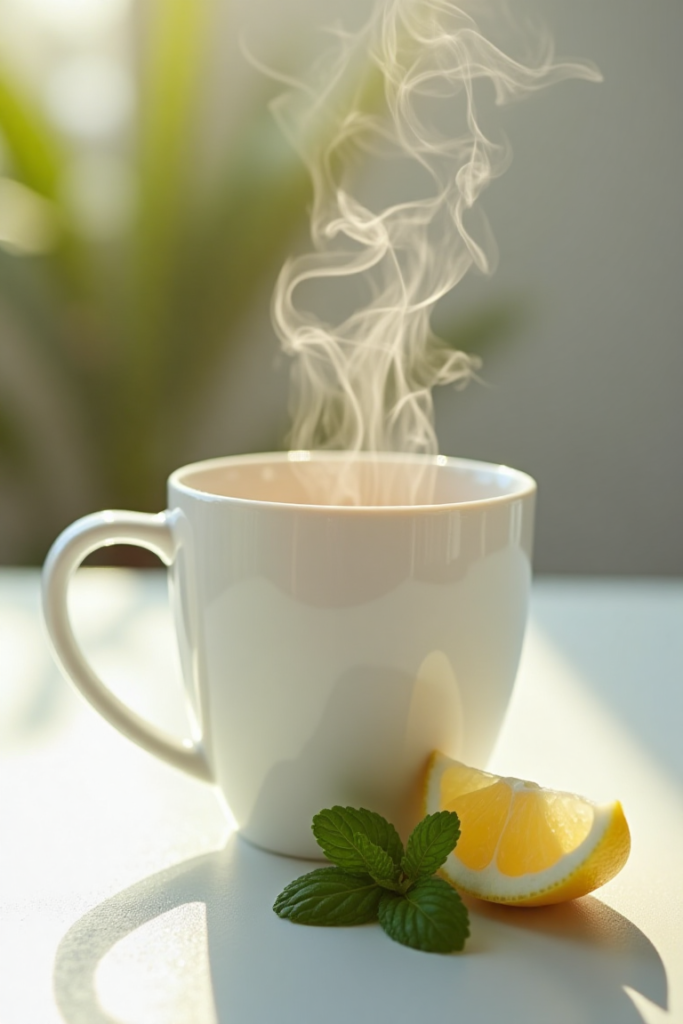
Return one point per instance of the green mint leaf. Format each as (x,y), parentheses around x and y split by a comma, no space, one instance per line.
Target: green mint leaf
(430,843)
(336,827)
(378,863)
(431,917)
(329,896)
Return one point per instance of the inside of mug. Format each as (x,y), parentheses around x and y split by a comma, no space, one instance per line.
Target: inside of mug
(335,480)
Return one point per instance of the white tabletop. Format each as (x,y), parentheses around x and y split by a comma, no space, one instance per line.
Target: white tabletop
(127,898)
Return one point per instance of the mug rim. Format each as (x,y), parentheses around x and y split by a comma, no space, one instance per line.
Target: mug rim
(526,485)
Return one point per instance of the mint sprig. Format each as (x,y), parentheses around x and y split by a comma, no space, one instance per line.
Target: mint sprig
(375,880)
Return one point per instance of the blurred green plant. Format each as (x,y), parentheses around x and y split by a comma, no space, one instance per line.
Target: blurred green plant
(132,330)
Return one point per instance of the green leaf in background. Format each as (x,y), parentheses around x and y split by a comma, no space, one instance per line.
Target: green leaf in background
(430,843)
(431,917)
(36,154)
(177,33)
(38,159)
(171,77)
(336,829)
(329,896)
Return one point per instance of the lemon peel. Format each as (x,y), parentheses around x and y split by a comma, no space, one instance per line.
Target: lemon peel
(522,844)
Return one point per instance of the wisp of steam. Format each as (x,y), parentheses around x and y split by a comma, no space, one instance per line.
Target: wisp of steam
(365,383)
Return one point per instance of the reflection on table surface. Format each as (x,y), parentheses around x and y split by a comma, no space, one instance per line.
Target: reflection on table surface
(126,897)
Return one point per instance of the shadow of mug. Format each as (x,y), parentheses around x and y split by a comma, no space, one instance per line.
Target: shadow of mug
(264,968)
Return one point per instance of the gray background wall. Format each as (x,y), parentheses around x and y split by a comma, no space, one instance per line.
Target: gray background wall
(589,219)
(585,392)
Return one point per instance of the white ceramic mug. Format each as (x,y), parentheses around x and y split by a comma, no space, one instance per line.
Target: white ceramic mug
(327,649)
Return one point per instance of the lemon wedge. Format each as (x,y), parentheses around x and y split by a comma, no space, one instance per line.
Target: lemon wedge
(523,844)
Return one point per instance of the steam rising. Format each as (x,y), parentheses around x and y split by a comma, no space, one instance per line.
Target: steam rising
(365,382)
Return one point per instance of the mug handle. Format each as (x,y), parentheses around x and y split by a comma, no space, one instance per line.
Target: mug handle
(101,529)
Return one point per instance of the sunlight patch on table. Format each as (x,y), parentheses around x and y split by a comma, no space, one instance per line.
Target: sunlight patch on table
(561,733)
(160,972)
